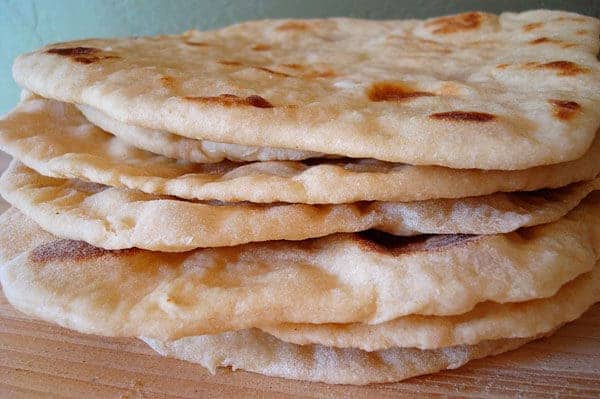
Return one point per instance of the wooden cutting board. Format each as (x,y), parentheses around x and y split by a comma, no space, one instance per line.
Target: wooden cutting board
(38,359)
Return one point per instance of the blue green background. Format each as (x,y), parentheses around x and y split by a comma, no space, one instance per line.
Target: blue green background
(28,24)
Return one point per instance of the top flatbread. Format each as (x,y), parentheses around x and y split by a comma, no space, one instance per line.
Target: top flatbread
(521,89)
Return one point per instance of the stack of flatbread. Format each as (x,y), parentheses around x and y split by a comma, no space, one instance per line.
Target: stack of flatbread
(338,200)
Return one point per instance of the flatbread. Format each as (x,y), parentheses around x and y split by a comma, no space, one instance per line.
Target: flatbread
(192,150)
(336,279)
(56,140)
(259,352)
(114,218)
(487,321)
(522,90)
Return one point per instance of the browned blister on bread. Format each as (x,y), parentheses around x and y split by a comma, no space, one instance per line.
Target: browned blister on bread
(398,91)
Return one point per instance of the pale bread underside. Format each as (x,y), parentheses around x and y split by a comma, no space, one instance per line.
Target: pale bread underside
(192,150)
(56,140)
(256,351)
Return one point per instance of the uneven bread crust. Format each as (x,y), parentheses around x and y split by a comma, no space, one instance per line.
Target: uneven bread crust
(341,278)
(57,141)
(487,321)
(192,150)
(114,218)
(521,89)
(256,351)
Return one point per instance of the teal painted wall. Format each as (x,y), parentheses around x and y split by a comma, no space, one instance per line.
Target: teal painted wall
(28,24)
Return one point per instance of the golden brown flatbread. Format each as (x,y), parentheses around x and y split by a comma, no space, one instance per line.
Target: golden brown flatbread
(472,90)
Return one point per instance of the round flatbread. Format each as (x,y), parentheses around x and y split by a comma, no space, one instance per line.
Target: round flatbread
(340,278)
(487,321)
(256,351)
(114,218)
(522,90)
(56,140)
